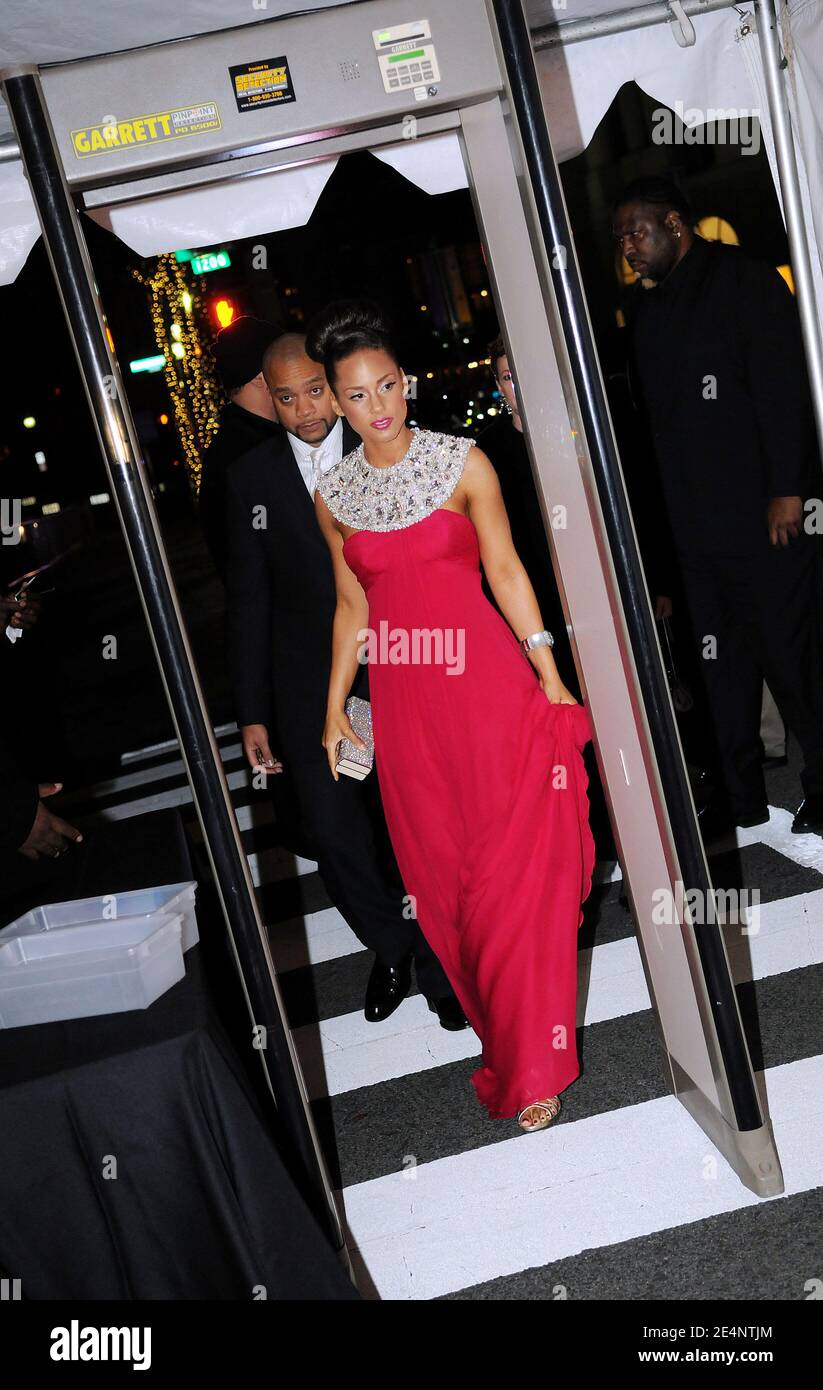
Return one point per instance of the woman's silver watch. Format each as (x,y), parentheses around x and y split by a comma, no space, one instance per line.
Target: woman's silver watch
(537,639)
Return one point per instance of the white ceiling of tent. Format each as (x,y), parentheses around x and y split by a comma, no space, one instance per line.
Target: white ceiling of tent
(57,31)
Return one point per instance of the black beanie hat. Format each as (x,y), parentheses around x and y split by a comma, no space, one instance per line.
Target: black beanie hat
(239,350)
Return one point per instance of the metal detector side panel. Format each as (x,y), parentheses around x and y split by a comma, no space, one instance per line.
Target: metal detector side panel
(276,82)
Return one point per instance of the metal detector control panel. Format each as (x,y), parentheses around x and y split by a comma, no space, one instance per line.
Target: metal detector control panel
(408,59)
(125,116)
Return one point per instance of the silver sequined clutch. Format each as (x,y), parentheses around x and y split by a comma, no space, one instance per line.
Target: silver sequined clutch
(354,761)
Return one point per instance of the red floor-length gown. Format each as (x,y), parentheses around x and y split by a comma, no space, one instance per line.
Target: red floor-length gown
(484,791)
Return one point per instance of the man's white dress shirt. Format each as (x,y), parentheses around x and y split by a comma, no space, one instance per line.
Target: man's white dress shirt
(314,460)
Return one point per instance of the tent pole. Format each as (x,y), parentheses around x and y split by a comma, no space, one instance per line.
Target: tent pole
(639,17)
(74,276)
(767,26)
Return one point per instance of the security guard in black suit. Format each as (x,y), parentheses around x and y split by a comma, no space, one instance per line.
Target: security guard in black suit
(718,362)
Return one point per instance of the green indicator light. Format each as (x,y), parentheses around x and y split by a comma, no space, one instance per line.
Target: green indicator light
(404,57)
(182,255)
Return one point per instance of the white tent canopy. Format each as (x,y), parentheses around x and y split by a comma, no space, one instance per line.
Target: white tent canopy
(719,72)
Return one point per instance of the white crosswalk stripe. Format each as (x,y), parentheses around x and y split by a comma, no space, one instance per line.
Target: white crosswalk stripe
(144,776)
(538,1198)
(805,850)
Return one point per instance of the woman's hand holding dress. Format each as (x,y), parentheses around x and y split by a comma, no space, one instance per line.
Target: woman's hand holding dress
(556,692)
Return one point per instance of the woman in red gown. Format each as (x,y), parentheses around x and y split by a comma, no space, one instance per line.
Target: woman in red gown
(478,750)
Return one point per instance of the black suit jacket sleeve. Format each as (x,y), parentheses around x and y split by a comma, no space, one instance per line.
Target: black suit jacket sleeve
(211,509)
(18,807)
(777,378)
(19,793)
(648,507)
(249,639)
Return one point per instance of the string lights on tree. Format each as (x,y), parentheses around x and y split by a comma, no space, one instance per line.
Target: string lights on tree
(182,334)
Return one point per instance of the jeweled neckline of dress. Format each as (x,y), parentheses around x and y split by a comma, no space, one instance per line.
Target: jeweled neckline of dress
(359,496)
(360,450)
(438,511)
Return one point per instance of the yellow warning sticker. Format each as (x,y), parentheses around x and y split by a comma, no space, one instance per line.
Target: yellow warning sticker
(146,130)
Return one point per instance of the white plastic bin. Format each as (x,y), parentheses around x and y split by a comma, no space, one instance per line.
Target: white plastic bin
(149,902)
(92,968)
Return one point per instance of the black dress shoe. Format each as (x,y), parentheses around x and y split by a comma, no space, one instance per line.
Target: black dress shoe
(809,816)
(747,819)
(717,820)
(451,1016)
(387,988)
(702,785)
(713,826)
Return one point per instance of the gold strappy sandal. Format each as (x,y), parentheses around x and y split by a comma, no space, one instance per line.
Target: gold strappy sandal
(550,1106)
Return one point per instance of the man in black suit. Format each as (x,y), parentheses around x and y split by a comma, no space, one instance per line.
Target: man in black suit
(282,601)
(27,827)
(717,355)
(247,419)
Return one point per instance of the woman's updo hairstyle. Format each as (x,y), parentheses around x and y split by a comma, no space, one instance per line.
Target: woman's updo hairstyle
(345,327)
